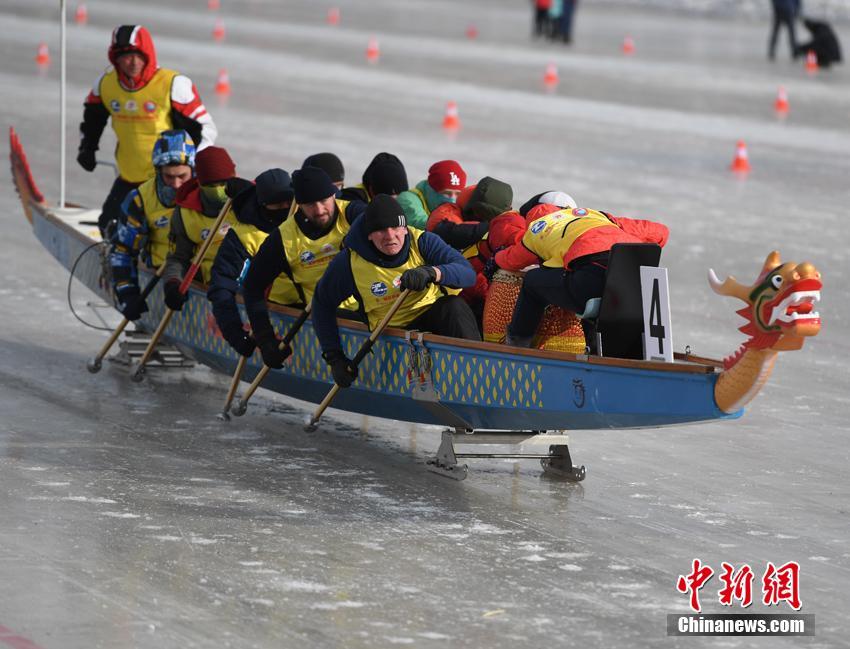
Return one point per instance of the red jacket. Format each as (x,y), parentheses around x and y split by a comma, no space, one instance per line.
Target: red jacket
(591,242)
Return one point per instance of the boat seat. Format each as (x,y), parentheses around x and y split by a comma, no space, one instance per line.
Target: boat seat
(591,309)
(614,322)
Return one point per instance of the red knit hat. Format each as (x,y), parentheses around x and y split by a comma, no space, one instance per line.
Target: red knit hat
(446,174)
(213,165)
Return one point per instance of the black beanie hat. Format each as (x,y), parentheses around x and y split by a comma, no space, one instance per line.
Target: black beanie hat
(383,212)
(329,162)
(385,175)
(312,184)
(273,186)
(388,178)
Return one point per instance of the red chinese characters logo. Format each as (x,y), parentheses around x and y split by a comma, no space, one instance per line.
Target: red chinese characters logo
(780,584)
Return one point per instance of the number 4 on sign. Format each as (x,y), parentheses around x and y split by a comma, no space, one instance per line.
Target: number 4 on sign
(657,328)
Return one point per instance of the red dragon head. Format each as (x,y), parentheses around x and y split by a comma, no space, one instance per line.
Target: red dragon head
(780,309)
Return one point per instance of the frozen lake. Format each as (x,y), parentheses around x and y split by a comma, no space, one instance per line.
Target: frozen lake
(132,517)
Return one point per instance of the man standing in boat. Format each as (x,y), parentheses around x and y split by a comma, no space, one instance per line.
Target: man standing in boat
(302,247)
(382,257)
(260,209)
(199,203)
(143,100)
(572,247)
(146,219)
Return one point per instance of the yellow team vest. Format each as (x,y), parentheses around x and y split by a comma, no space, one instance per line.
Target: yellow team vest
(197,227)
(138,117)
(283,290)
(551,236)
(158,218)
(472,251)
(379,287)
(421,196)
(308,258)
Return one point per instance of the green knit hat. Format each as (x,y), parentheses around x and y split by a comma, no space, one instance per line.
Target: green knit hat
(490,198)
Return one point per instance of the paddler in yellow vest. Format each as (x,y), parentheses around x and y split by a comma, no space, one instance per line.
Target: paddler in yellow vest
(146,218)
(260,209)
(143,100)
(383,257)
(384,175)
(572,246)
(302,247)
(198,205)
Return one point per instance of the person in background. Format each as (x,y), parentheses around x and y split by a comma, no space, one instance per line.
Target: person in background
(785,12)
(542,23)
(446,180)
(824,43)
(143,100)
(145,221)
(384,175)
(330,164)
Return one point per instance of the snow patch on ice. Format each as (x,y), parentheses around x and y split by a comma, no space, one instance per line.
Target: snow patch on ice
(530,547)
(300,586)
(433,635)
(197,540)
(335,606)
(398,640)
(818,558)
(786,536)
(484,528)
(619,567)
(533,558)
(53,484)
(251,563)
(166,537)
(35,468)
(120,515)
(261,602)
(570,567)
(86,499)
(756,533)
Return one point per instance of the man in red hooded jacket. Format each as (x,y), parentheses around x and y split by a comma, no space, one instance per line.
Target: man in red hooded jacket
(143,100)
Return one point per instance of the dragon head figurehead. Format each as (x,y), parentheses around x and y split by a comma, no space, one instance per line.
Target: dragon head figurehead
(780,305)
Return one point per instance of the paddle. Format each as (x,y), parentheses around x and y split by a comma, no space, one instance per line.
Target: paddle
(240,366)
(242,405)
(361,354)
(95,363)
(139,372)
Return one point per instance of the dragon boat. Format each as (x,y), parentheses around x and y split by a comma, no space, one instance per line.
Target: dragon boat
(485,393)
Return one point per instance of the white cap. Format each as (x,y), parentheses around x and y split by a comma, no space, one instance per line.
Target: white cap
(561,199)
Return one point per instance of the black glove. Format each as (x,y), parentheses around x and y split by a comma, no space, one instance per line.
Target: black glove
(417,279)
(343,370)
(174,299)
(131,304)
(244,344)
(490,268)
(273,355)
(85,156)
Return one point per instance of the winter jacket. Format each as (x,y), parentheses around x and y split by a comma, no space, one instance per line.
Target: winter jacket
(419,202)
(338,282)
(186,110)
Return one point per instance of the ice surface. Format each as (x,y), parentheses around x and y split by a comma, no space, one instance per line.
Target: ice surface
(132,518)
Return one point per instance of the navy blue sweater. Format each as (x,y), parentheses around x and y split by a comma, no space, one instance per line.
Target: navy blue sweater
(337,284)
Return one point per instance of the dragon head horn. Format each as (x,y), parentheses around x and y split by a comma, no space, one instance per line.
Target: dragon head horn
(730,287)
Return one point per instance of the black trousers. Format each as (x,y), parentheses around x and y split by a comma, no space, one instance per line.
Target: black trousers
(782,18)
(544,286)
(111,210)
(448,316)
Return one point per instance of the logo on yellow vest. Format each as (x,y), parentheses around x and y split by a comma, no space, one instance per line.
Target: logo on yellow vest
(378,289)
(131,105)
(537,226)
(115,105)
(579,211)
(150,107)
(162,221)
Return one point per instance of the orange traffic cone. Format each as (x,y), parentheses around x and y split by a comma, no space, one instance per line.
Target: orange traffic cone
(213,5)
(811,62)
(472,32)
(741,163)
(781,103)
(628,46)
(373,51)
(451,120)
(81,15)
(218,30)
(42,56)
(550,77)
(222,84)
(333,16)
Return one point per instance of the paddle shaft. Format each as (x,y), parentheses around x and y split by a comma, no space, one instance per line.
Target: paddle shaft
(234,383)
(361,354)
(302,318)
(123,324)
(184,285)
